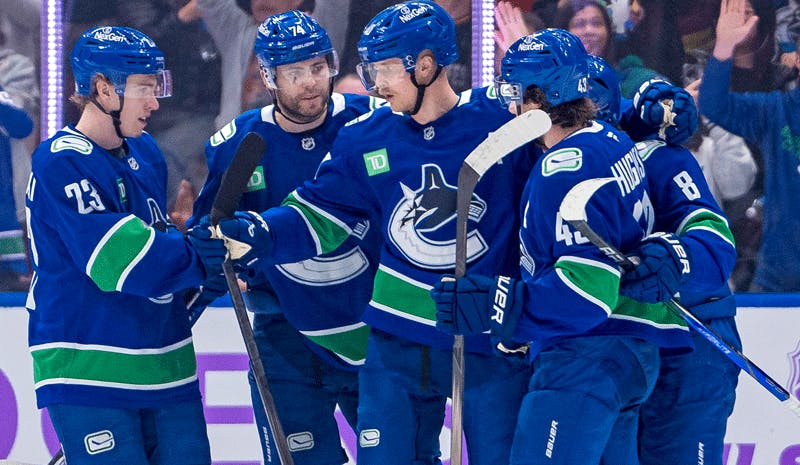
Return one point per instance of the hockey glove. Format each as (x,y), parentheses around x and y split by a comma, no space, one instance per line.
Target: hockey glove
(475,304)
(246,236)
(198,299)
(667,109)
(208,246)
(664,264)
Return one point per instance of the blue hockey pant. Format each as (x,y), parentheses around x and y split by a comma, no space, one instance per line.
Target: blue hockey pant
(169,435)
(306,390)
(399,373)
(583,402)
(684,420)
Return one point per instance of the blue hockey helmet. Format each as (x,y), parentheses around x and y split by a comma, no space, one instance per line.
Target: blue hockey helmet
(553,60)
(292,37)
(404,31)
(604,90)
(116,53)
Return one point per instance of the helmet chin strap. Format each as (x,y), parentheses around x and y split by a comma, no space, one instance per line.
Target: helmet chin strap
(421,88)
(113,114)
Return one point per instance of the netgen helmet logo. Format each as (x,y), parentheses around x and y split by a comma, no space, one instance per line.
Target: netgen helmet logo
(407,14)
(108,35)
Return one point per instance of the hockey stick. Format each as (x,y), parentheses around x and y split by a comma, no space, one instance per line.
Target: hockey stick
(233,183)
(507,138)
(57,459)
(573,211)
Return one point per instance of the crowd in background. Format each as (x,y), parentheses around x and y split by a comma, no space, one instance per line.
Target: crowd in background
(208,47)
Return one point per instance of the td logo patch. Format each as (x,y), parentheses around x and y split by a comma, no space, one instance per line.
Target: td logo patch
(98,442)
(257,181)
(369,438)
(377,162)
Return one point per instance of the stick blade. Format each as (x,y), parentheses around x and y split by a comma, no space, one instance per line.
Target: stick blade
(507,138)
(234,181)
(573,206)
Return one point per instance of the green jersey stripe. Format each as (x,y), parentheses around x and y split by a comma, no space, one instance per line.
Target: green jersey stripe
(708,220)
(120,249)
(657,315)
(150,369)
(403,296)
(328,232)
(350,344)
(595,281)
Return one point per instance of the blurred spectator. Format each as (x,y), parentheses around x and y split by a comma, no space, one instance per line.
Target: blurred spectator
(770,120)
(787,25)
(752,71)
(233,25)
(696,23)
(19,22)
(185,121)
(511,23)
(14,271)
(591,22)
(652,36)
(18,79)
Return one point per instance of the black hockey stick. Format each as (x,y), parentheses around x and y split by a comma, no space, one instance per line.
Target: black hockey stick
(573,211)
(57,459)
(507,138)
(233,183)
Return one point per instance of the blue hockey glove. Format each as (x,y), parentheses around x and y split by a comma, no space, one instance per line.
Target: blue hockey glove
(210,290)
(211,249)
(246,236)
(475,304)
(669,110)
(664,264)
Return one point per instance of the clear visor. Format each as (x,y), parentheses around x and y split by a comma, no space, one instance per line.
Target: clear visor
(509,92)
(381,72)
(319,68)
(158,85)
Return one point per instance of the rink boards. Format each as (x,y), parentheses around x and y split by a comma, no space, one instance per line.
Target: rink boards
(760,431)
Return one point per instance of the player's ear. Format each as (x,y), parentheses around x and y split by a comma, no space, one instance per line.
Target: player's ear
(426,64)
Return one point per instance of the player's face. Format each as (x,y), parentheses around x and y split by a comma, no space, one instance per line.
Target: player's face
(303,88)
(393,83)
(139,103)
(590,27)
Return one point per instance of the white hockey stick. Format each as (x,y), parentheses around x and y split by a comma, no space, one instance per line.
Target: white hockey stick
(507,138)
(573,211)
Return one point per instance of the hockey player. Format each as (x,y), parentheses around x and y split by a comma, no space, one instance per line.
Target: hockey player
(109,330)
(397,168)
(307,320)
(595,354)
(670,430)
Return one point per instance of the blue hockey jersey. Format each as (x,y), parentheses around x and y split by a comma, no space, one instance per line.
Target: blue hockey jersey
(401,176)
(684,205)
(107,327)
(572,287)
(325,296)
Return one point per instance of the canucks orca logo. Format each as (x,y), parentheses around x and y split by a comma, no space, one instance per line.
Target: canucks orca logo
(422,224)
